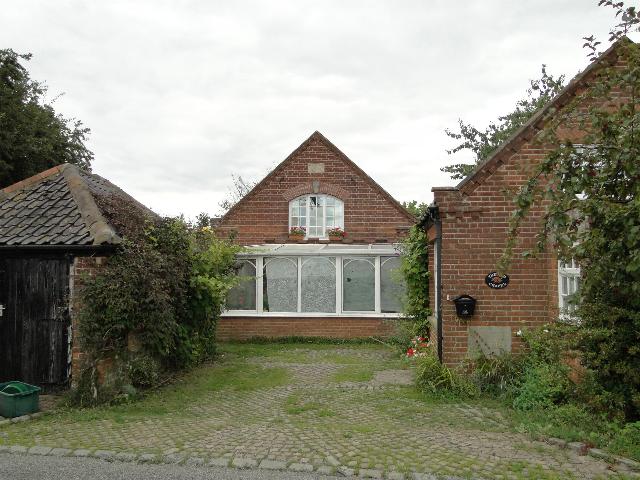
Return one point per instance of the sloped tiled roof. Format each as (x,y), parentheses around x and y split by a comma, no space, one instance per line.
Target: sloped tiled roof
(62,206)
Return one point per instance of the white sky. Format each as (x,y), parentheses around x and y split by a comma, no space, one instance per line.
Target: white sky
(181,94)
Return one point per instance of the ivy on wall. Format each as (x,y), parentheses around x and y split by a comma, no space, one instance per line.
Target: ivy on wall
(415,268)
(166,288)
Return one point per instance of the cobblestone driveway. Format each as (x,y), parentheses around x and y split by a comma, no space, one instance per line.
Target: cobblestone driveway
(321,408)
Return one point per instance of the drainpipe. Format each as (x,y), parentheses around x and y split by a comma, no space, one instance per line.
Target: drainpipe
(434,219)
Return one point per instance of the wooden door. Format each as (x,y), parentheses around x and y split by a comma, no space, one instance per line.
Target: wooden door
(34,323)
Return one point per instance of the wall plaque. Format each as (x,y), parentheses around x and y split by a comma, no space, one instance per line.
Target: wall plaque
(495,280)
(315,167)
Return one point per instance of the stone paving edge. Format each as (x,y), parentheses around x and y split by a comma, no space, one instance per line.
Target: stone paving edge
(248,462)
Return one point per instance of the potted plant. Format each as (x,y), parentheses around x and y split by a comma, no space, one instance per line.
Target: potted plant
(297,234)
(336,234)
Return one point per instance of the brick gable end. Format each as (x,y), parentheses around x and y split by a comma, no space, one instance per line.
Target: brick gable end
(371,215)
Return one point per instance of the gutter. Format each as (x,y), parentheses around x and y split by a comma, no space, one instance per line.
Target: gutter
(433,218)
(56,248)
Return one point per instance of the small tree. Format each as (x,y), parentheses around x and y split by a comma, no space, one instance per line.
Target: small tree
(484,142)
(32,136)
(239,189)
(591,193)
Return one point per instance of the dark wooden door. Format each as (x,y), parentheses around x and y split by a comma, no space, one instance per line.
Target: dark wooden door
(34,320)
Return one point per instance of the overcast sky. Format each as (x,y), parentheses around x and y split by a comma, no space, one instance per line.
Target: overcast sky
(180,95)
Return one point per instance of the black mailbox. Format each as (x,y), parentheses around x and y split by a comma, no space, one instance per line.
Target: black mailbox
(465,305)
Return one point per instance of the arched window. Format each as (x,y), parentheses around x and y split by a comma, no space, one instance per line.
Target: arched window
(316,214)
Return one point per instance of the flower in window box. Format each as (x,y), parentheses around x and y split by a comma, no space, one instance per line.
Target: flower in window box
(297,233)
(336,234)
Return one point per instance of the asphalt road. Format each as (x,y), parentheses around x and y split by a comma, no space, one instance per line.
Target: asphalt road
(30,467)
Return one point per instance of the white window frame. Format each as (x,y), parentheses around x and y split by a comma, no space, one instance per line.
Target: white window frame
(259,260)
(571,271)
(307,198)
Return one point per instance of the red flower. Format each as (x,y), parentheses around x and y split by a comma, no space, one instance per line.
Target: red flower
(410,352)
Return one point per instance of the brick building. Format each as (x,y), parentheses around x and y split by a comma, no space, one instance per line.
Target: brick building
(467,226)
(316,285)
(56,228)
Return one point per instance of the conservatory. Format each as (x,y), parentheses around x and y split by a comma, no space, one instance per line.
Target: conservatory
(318,280)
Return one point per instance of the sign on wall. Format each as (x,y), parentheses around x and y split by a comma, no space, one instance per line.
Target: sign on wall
(495,280)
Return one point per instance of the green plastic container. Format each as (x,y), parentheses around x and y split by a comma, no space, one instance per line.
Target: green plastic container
(18,398)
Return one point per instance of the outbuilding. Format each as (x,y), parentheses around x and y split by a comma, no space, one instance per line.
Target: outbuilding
(56,228)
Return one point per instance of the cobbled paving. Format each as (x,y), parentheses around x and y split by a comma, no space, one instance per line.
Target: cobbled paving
(373,429)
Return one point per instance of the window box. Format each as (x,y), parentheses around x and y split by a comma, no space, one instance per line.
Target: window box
(297,234)
(336,234)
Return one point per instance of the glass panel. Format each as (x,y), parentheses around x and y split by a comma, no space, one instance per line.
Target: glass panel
(280,284)
(358,282)
(565,285)
(243,295)
(392,286)
(318,284)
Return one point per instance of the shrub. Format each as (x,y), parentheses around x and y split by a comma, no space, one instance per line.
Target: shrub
(627,441)
(144,371)
(167,285)
(497,375)
(543,385)
(434,378)
(415,270)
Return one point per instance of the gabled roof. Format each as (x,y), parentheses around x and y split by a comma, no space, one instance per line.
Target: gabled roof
(536,122)
(64,206)
(318,136)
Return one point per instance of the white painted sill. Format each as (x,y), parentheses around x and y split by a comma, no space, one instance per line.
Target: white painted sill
(242,313)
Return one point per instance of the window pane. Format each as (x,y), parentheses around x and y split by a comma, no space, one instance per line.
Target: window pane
(243,295)
(318,284)
(358,284)
(392,286)
(280,284)
(565,285)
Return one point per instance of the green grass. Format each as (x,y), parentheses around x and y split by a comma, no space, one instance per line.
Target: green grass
(354,373)
(236,393)
(296,404)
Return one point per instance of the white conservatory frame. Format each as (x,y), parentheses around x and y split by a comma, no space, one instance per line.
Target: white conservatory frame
(340,252)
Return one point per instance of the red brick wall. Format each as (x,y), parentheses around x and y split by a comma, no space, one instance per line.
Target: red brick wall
(243,328)
(83,267)
(474,229)
(474,226)
(263,216)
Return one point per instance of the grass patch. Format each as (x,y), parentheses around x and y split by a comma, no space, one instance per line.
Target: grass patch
(296,404)
(353,373)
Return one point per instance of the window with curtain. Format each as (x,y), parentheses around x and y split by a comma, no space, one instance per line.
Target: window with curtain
(280,284)
(318,284)
(358,284)
(243,295)
(392,286)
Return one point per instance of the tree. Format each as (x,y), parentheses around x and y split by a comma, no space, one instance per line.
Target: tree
(416,209)
(32,136)
(239,189)
(591,193)
(484,142)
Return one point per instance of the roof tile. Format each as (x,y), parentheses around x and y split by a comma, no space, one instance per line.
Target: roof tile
(59,207)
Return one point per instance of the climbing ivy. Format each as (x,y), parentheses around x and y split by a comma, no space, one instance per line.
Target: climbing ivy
(415,268)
